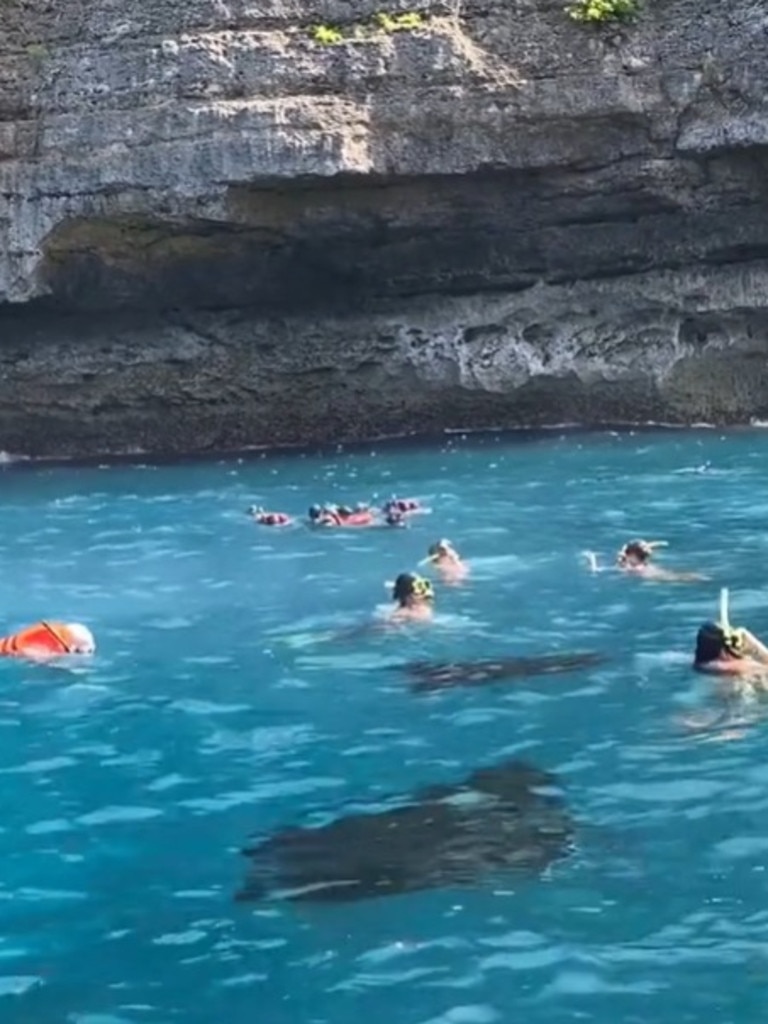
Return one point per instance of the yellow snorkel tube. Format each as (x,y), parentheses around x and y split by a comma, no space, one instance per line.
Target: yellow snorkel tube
(733,639)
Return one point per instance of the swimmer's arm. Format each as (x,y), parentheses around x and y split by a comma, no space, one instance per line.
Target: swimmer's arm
(592,563)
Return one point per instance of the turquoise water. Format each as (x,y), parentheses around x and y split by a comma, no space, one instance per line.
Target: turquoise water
(223,705)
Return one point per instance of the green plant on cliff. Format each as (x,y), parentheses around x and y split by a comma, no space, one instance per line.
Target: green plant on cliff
(406,21)
(327,35)
(599,12)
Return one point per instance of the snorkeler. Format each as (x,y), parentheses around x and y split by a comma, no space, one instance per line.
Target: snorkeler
(46,640)
(447,561)
(414,596)
(635,559)
(739,662)
(728,651)
(394,518)
(341,515)
(264,518)
(403,506)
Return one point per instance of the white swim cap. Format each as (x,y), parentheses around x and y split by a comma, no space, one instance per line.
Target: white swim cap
(82,638)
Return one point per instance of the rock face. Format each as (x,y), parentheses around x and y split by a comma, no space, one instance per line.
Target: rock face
(216,231)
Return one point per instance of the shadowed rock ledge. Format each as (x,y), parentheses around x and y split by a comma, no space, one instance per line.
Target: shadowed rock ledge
(215,232)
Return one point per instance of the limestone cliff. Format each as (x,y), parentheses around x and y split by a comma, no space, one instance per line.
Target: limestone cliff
(216,231)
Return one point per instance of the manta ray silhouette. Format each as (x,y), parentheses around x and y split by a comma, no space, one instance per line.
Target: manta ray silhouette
(503,819)
(427,676)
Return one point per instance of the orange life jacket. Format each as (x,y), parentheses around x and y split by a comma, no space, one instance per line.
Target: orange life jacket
(357,519)
(43,637)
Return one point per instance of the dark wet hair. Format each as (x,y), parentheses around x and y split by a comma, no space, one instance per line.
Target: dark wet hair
(408,585)
(315,511)
(637,549)
(712,642)
(404,586)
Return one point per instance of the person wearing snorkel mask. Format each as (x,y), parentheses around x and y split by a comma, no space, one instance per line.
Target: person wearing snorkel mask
(264,518)
(727,651)
(444,557)
(341,515)
(635,559)
(739,663)
(413,596)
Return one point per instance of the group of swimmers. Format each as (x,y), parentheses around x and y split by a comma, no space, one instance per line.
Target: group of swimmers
(413,594)
(394,512)
(732,653)
(719,649)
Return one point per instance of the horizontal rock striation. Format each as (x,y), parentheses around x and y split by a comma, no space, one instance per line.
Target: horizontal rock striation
(217,232)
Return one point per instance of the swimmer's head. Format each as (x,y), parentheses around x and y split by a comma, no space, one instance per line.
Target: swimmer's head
(315,512)
(255,511)
(713,641)
(409,587)
(636,552)
(443,548)
(393,518)
(81,639)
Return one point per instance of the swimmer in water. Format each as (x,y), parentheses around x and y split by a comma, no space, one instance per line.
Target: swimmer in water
(635,559)
(325,515)
(341,515)
(403,506)
(732,653)
(264,518)
(447,561)
(739,663)
(45,640)
(394,518)
(414,597)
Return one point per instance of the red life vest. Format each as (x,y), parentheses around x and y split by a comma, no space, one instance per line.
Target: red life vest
(42,638)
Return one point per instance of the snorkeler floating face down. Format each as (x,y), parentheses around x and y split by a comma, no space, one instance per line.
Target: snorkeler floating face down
(264,518)
(341,515)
